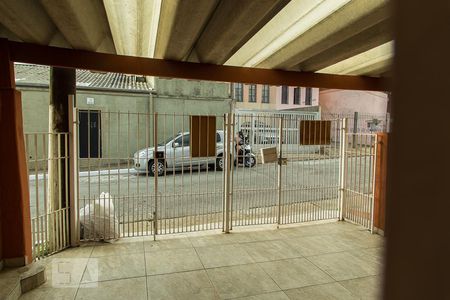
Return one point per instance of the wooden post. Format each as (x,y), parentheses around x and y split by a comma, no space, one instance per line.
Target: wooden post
(15,234)
(380,182)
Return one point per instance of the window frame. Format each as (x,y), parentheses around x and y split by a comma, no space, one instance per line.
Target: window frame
(308,96)
(238,90)
(265,97)
(297,95)
(252,96)
(284,94)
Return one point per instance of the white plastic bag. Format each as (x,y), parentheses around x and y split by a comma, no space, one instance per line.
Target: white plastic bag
(98,220)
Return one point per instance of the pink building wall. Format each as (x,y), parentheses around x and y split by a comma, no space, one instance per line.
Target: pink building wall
(347,102)
(291,105)
(275,98)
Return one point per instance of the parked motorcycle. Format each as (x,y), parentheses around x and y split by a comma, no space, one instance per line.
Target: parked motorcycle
(244,154)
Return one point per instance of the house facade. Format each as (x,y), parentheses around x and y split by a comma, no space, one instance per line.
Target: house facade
(267,97)
(113,105)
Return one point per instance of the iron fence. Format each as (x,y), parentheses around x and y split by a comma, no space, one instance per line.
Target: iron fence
(360,162)
(135,174)
(47,161)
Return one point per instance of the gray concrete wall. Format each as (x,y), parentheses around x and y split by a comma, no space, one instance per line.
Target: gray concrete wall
(127,119)
(173,113)
(192,88)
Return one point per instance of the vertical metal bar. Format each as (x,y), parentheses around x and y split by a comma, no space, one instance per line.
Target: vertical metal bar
(224,155)
(57,230)
(304,188)
(279,183)
(359,177)
(227,161)
(147,194)
(36,174)
(164,200)
(139,216)
(47,213)
(109,175)
(343,168)
(66,184)
(128,174)
(205,202)
(179,206)
(188,204)
(120,205)
(155,161)
(374,161)
(355,128)
(366,178)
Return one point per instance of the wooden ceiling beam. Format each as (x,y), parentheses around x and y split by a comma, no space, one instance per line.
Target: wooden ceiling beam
(80,59)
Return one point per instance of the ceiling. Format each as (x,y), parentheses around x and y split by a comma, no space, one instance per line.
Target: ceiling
(350,37)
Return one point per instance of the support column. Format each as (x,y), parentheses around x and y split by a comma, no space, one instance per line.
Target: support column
(62,84)
(418,203)
(15,223)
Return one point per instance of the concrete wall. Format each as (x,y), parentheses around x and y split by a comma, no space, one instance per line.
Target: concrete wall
(347,102)
(173,113)
(191,88)
(371,108)
(126,119)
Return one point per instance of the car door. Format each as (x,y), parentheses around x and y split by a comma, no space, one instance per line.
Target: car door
(181,150)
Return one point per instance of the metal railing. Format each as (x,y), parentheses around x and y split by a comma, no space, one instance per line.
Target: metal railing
(362,122)
(122,187)
(305,189)
(47,161)
(359,180)
(186,195)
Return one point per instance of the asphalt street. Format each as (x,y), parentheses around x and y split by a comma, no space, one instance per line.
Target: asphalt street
(199,192)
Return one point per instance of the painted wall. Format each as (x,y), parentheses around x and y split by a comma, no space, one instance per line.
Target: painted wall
(291,105)
(275,99)
(347,102)
(371,108)
(126,118)
(173,113)
(191,88)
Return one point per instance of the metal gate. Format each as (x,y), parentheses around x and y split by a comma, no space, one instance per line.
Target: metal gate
(304,188)
(126,188)
(129,191)
(132,190)
(49,190)
(334,180)
(359,161)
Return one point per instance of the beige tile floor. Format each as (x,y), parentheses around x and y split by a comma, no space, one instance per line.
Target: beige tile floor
(335,260)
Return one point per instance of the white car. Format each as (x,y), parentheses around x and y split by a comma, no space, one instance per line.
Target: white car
(175,153)
(262,132)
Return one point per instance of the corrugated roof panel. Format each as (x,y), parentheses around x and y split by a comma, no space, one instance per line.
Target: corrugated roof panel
(27,74)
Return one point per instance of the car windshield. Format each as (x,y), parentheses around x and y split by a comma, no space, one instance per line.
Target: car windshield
(168,140)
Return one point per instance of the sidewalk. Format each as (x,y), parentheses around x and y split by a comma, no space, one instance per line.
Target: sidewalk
(89,173)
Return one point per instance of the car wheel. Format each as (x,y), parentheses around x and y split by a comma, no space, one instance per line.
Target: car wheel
(220,163)
(152,168)
(250,161)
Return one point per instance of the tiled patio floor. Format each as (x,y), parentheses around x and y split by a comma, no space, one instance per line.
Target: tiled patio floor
(326,261)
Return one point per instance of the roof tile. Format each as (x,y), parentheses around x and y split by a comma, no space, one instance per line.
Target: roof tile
(27,74)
